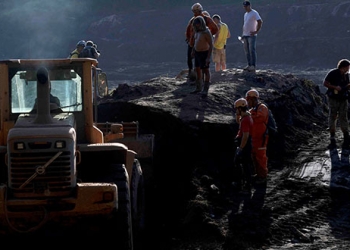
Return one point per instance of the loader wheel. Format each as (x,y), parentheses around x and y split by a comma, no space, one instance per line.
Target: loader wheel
(120,225)
(137,202)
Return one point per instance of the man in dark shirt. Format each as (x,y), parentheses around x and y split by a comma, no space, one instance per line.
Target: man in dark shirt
(89,51)
(337,82)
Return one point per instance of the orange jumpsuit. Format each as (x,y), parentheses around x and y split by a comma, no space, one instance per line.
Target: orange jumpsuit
(260,115)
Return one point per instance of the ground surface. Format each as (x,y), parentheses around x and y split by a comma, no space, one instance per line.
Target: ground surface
(190,201)
(305,203)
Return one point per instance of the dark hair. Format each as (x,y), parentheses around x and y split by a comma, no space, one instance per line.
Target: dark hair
(202,25)
(216,16)
(244,109)
(343,63)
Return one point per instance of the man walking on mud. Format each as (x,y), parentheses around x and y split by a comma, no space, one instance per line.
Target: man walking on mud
(337,82)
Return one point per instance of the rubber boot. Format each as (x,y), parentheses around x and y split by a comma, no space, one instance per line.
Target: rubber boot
(346,142)
(332,144)
(191,77)
(205,89)
(199,84)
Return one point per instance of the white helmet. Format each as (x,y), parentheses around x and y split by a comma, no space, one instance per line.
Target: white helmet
(241,102)
(197,7)
(252,93)
(81,43)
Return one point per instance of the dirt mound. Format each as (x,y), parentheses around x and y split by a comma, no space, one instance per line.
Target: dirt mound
(191,202)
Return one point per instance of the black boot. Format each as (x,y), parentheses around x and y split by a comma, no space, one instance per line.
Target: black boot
(333,144)
(346,142)
(198,89)
(205,89)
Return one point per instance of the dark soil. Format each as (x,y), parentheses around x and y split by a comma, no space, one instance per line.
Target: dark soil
(191,201)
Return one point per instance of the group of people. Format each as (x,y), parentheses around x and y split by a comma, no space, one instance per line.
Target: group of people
(85,49)
(206,39)
(251,139)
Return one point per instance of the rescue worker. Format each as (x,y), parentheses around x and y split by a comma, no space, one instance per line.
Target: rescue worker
(79,48)
(89,51)
(243,154)
(260,137)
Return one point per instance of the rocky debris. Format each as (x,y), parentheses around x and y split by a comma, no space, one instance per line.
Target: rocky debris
(191,201)
(296,103)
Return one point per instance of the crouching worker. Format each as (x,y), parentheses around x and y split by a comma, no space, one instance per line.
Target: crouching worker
(243,157)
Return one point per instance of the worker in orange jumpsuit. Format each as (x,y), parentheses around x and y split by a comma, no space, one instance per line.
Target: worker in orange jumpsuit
(260,137)
(243,155)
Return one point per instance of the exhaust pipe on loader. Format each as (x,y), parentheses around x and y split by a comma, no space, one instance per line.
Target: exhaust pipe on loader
(43,97)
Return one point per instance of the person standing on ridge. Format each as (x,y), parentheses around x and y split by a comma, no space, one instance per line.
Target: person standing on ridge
(260,137)
(202,50)
(197,10)
(79,48)
(337,83)
(243,140)
(219,50)
(251,26)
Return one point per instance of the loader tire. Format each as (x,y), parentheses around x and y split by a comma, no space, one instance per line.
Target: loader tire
(137,203)
(119,227)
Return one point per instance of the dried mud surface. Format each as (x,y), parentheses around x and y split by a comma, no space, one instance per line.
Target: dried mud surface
(190,201)
(305,203)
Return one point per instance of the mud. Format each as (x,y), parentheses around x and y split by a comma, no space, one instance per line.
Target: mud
(305,203)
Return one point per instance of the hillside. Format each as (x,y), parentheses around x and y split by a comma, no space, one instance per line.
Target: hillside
(295,34)
(191,203)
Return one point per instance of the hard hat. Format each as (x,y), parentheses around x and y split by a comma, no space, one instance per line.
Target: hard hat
(252,93)
(81,43)
(89,43)
(241,102)
(197,7)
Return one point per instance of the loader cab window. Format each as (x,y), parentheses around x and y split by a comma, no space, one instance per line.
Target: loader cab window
(66,85)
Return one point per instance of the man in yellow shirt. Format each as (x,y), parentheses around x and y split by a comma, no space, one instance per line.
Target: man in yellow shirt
(79,48)
(219,50)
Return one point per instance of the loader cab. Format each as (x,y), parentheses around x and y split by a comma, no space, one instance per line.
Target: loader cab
(72,82)
(65,91)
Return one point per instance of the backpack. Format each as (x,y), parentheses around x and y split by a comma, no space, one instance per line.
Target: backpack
(86,53)
(271,126)
(73,53)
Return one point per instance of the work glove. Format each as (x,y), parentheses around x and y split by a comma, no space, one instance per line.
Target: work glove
(238,151)
(237,142)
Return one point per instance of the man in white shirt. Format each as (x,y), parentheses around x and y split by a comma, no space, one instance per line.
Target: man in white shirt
(251,26)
